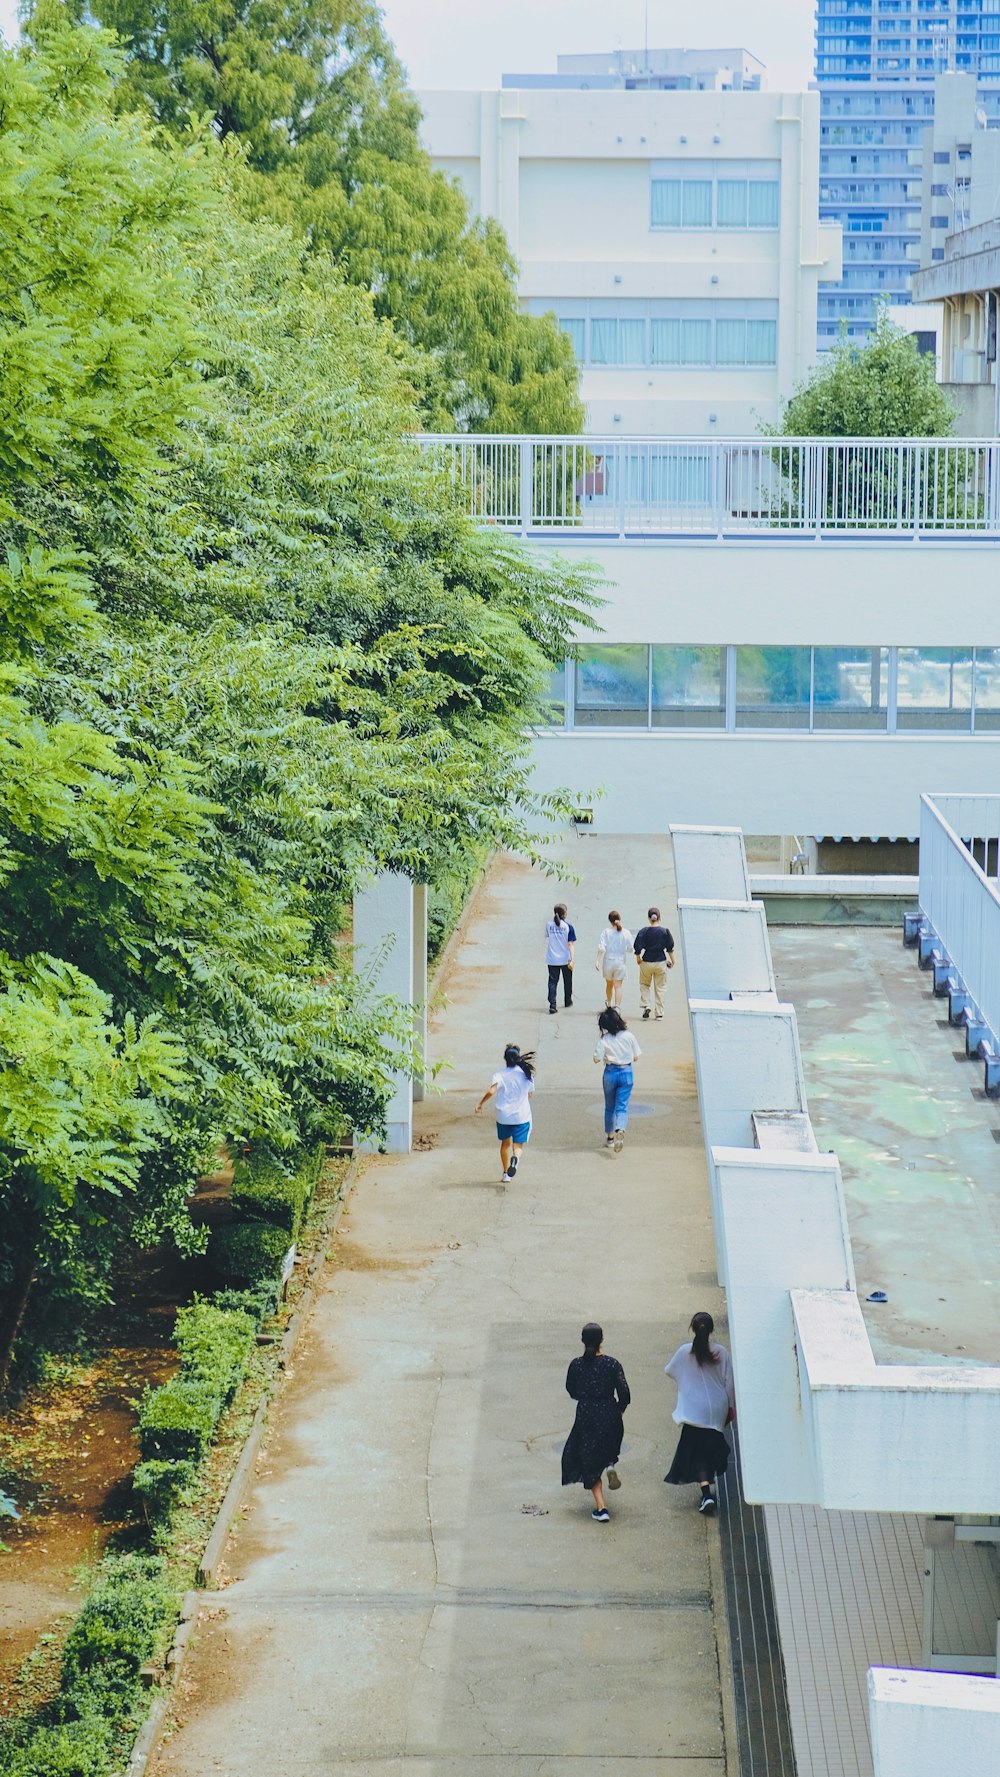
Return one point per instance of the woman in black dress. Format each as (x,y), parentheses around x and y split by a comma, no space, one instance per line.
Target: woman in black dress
(597,1384)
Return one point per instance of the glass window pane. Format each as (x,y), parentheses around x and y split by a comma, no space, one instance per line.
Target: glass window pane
(603,342)
(731,202)
(689,687)
(763,203)
(772,687)
(696,203)
(730,342)
(665,203)
(696,342)
(554,698)
(612,686)
(631,342)
(577,333)
(987,688)
(665,342)
(934,688)
(762,342)
(850,687)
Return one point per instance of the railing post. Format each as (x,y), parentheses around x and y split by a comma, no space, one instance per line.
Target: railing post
(622,490)
(527,503)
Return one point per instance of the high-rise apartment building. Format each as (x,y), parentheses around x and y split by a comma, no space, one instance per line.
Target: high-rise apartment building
(876,61)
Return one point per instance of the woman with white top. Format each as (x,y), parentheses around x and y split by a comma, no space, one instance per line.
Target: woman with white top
(613,950)
(706,1402)
(512,1088)
(617,1048)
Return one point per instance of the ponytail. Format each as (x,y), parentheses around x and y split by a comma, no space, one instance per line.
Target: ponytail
(513,1058)
(703,1326)
(616,920)
(593,1338)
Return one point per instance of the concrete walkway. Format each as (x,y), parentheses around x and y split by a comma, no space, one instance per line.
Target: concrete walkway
(412,1590)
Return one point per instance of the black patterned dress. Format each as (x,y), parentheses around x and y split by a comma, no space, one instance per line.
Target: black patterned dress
(599,1388)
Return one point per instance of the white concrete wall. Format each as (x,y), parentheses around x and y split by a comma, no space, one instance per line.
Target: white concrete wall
(726,948)
(820,1422)
(788,593)
(933,1724)
(385,942)
(567,174)
(709,862)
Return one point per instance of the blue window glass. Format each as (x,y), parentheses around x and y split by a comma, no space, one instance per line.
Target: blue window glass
(763,203)
(772,687)
(612,686)
(850,687)
(688,687)
(934,688)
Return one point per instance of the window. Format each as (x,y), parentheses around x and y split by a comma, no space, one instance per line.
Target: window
(664,333)
(772,687)
(850,687)
(554,698)
(728,194)
(934,688)
(987,688)
(688,687)
(576,329)
(612,686)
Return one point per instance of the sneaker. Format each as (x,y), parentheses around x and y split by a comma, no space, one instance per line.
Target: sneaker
(619,1140)
(706,1503)
(645,1011)
(608,1140)
(512,1168)
(552,1011)
(602,1517)
(659,1014)
(614,1480)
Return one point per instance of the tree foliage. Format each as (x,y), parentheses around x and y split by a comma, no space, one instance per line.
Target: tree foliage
(250,651)
(884,387)
(315,95)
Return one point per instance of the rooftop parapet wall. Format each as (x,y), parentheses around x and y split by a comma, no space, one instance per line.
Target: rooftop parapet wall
(820,1422)
(933,1724)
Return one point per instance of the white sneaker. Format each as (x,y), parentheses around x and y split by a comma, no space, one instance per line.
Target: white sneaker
(619,1140)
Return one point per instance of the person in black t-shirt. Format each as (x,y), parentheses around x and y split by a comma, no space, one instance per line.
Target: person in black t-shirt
(654,948)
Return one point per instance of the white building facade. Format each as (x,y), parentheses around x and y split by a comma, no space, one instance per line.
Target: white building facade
(674,234)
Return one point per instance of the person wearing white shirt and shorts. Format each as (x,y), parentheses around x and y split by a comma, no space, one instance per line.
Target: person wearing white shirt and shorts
(512,1088)
(613,951)
(618,1049)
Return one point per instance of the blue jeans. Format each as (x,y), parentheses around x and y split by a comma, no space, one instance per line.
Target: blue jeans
(617,1092)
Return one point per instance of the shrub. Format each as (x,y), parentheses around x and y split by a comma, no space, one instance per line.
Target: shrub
(259,1303)
(74,1749)
(158,1486)
(115,1633)
(214,1346)
(264,1192)
(177,1421)
(248,1253)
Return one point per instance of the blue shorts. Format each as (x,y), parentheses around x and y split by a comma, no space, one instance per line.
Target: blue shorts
(518,1132)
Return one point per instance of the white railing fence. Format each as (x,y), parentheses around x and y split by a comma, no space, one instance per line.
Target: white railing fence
(960,899)
(642,487)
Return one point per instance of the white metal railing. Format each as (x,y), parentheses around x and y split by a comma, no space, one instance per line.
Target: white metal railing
(960,898)
(606,486)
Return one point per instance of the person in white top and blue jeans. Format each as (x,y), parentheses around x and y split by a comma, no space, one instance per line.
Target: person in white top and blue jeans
(618,1049)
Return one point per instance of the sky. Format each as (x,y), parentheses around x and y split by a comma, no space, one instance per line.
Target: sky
(473,42)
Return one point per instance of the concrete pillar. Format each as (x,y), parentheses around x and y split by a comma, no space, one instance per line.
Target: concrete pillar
(419,987)
(383,954)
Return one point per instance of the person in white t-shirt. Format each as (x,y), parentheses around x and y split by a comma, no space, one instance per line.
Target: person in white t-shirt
(706,1402)
(512,1088)
(613,951)
(618,1049)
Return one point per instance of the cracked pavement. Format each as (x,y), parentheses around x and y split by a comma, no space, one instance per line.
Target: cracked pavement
(411,1593)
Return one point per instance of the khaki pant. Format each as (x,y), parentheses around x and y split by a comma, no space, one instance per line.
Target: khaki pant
(652,981)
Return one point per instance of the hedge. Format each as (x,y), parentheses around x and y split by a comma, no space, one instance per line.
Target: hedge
(214,1345)
(177,1421)
(265,1191)
(248,1254)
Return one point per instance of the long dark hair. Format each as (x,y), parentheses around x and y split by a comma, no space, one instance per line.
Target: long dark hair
(611,1022)
(703,1326)
(616,919)
(593,1338)
(560,912)
(512,1057)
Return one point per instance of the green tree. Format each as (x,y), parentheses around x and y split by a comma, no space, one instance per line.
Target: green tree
(250,650)
(316,97)
(884,387)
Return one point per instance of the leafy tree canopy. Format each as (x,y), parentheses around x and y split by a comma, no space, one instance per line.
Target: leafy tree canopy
(250,651)
(883,388)
(315,95)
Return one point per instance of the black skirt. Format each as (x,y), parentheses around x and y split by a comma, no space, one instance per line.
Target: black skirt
(701,1454)
(594,1444)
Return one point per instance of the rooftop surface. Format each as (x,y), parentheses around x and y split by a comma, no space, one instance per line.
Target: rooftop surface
(890,1090)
